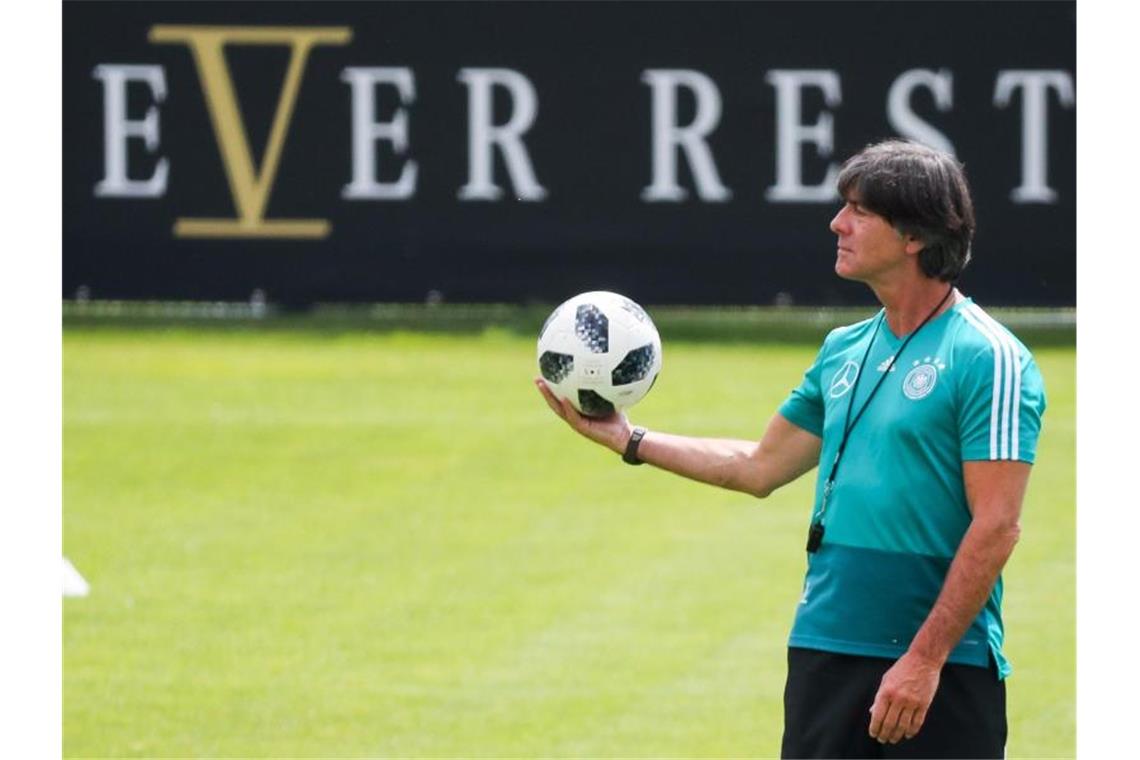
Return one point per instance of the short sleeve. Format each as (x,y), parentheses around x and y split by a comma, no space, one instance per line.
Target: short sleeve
(804,407)
(1002,399)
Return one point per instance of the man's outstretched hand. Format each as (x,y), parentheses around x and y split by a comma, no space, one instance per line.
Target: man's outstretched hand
(613,431)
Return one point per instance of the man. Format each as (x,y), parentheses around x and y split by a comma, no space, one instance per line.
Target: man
(924,422)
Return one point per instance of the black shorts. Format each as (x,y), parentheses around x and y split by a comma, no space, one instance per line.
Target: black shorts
(828,698)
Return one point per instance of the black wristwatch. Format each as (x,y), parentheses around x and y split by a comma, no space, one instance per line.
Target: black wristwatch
(630,455)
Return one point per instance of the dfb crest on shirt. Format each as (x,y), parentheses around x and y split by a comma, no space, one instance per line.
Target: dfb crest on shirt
(922,378)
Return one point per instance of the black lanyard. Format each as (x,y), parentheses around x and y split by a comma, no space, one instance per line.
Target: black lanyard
(815,533)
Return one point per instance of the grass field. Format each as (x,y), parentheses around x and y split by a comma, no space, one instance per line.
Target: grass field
(306,544)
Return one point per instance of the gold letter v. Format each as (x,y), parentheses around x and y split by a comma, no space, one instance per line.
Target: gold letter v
(250,187)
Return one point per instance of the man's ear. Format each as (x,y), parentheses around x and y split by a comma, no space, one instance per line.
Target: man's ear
(914,245)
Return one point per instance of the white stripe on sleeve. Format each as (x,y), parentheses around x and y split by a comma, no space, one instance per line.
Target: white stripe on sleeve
(999,356)
(1013,410)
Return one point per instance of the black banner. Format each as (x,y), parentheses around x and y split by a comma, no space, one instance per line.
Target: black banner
(676,152)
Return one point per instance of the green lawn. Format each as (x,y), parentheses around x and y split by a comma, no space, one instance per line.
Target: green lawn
(306,544)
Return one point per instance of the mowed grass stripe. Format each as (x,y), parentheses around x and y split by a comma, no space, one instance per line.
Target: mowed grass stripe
(360,545)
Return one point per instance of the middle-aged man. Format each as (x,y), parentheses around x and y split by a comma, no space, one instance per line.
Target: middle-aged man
(923,421)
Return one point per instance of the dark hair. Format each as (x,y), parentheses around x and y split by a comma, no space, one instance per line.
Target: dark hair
(921,192)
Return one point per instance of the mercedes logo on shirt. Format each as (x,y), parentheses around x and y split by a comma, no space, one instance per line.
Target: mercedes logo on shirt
(844,379)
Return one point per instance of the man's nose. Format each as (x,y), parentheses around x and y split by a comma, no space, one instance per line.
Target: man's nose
(839,222)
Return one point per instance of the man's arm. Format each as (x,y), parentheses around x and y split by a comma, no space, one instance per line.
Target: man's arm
(785,451)
(994,491)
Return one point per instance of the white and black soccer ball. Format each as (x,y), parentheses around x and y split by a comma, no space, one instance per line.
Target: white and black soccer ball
(601,351)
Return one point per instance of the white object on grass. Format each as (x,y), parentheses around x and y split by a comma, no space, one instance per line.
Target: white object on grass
(73,583)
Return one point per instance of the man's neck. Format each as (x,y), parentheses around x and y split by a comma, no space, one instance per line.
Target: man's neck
(908,305)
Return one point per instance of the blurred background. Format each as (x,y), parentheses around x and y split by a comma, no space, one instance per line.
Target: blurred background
(314,506)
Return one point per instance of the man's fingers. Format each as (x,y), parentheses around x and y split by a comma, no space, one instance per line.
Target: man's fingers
(569,413)
(543,388)
(878,713)
(890,724)
(565,404)
(916,722)
(901,727)
(551,400)
(562,407)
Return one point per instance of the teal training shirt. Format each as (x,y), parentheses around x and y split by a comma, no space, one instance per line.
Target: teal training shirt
(965,389)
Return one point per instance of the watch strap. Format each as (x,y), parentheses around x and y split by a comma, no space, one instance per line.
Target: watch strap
(630,454)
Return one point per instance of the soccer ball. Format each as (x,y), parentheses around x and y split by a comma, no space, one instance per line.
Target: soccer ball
(601,351)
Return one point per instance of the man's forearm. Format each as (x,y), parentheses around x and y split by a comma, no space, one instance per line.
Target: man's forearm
(723,462)
(977,564)
(783,454)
